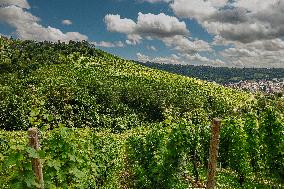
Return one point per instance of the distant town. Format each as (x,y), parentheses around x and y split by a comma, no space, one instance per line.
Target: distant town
(274,86)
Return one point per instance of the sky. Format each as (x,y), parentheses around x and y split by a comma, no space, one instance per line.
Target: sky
(233,33)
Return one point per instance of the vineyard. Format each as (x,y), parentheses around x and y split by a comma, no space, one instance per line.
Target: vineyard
(106,122)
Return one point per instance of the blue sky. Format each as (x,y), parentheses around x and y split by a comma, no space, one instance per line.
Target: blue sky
(235,33)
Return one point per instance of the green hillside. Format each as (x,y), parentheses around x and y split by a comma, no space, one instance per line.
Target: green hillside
(222,75)
(111,123)
(99,88)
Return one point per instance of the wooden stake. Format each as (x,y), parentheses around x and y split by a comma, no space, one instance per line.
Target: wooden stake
(213,153)
(37,167)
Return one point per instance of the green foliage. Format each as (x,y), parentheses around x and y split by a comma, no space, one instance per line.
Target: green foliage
(220,74)
(254,144)
(234,148)
(272,139)
(160,157)
(15,162)
(80,86)
(110,123)
(72,158)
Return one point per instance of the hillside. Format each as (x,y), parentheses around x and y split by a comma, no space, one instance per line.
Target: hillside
(106,122)
(222,75)
(70,79)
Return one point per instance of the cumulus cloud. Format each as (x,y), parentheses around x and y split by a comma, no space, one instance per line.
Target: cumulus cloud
(242,32)
(107,44)
(66,22)
(159,25)
(218,3)
(163,27)
(264,53)
(19,3)
(28,26)
(220,41)
(245,21)
(184,45)
(255,5)
(234,16)
(267,45)
(121,25)
(168,29)
(252,30)
(198,9)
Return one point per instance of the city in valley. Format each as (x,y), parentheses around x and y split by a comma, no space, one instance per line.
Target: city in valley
(274,86)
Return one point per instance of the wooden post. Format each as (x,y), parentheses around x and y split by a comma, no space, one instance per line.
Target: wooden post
(37,167)
(213,153)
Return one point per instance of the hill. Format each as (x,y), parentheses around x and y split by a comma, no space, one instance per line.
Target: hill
(106,122)
(75,78)
(222,75)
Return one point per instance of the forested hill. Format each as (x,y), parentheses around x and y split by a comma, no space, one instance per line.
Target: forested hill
(222,75)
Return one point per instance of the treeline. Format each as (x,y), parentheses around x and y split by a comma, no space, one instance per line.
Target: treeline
(222,75)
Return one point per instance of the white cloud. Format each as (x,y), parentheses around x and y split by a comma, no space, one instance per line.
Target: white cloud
(28,27)
(184,45)
(198,9)
(243,32)
(14,16)
(163,27)
(219,3)
(220,41)
(255,5)
(267,45)
(19,3)
(133,39)
(262,53)
(172,32)
(173,59)
(239,52)
(148,25)
(253,29)
(160,25)
(246,21)
(194,59)
(107,44)
(143,58)
(151,47)
(116,24)
(201,60)
(119,44)
(66,22)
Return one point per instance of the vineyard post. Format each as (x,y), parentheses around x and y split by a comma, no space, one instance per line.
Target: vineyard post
(213,153)
(37,167)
